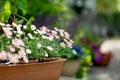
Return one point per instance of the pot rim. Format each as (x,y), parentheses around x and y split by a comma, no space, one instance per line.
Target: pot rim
(49,60)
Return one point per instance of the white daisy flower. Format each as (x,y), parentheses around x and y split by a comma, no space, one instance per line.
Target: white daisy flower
(19,32)
(61,34)
(40,32)
(69,44)
(7,25)
(44,37)
(74,52)
(50,38)
(28,51)
(33,27)
(25,59)
(30,36)
(50,48)
(24,27)
(46,54)
(39,45)
(14,24)
(2,24)
(62,44)
(35,32)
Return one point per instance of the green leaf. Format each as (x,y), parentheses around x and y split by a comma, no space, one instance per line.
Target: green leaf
(22,5)
(88,58)
(29,23)
(0,17)
(20,21)
(14,9)
(6,12)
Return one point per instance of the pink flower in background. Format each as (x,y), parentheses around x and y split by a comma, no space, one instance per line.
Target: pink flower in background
(43,28)
(9,55)
(21,52)
(21,42)
(54,33)
(14,59)
(8,32)
(12,49)
(3,55)
(69,44)
(67,34)
(7,25)
(17,42)
(25,59)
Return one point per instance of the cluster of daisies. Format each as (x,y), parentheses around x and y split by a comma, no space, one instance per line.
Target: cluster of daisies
(24,41)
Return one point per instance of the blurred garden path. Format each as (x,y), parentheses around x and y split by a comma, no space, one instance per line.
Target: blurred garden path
(112,72)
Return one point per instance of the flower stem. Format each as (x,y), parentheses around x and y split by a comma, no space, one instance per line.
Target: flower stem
(22,17)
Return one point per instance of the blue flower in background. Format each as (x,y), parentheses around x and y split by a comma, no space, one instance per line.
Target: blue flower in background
(78,49)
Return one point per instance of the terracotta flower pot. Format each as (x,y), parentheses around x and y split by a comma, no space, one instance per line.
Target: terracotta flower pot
(106,59)
(49,70)
(30,61)
(103,60)
(70,67)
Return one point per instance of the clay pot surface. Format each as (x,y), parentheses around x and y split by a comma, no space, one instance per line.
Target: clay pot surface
(70,67)
(49,70)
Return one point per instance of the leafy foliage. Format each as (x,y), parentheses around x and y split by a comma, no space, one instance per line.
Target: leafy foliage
(44,6)
(107,6)
(22,5)
(85,39)
(11,7)
(7,12)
